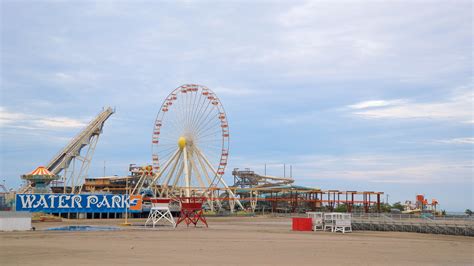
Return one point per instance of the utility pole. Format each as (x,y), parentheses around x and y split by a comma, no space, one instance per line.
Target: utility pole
(265,171)
(104,168)
(127,197)
(284,170)
(291,171)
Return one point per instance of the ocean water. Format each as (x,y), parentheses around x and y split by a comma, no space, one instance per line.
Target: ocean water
(83,228)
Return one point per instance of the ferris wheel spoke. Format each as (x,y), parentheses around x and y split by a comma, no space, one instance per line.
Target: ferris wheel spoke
(194,107)
(168,147)
(210,134)
(188,112)
(180,109)
(202,115)
(211,122)
(167,155)
(204,118)
(208,129)
(185,110)
(209,125)
(211,140)
(174,124)
(201,104)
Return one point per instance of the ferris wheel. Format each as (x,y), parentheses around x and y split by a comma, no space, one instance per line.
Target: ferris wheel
(190,142)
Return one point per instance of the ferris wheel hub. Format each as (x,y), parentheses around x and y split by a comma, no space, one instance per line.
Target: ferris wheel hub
(181,142)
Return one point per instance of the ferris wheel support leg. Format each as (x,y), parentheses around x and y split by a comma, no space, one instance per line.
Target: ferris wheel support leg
(232,205)
(139,184)
(220,177)
(178,177)
(173,169)
(201,182)
(203,166)
(194,168)
(187,174)
(217,201)
(158,175)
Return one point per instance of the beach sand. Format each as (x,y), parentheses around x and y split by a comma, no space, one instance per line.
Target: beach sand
(227,241)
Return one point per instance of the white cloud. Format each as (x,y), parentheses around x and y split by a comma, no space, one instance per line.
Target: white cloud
(20,120)
(59,122)
(469,140)
(375,168)
(376,103)
(457,108)
(386,168)
(83,79)
(383,40)
(234,91)
(7,117)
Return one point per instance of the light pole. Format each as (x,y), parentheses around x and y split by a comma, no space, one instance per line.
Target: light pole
(126,205)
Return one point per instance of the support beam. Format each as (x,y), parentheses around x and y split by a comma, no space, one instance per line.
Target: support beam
(199,153)
(187,174)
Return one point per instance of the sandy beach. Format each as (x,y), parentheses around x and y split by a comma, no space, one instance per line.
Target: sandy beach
(227,241)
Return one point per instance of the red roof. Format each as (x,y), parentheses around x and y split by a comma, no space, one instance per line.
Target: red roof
(40,171)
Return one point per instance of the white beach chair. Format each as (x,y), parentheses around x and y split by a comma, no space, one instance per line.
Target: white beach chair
(329,221)
(343,223)
(317,219)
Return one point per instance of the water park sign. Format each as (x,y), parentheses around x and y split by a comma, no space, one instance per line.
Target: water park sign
(59,203)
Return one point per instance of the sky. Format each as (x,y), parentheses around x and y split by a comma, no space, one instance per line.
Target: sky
(355,95)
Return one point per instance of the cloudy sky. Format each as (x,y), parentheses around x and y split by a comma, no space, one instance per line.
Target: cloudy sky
(361,95)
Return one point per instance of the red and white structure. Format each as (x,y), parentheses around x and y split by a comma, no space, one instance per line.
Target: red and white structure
(38,180)
(160,210)
(190,146)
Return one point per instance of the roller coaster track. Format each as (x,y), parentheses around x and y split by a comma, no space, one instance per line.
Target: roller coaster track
(67,160)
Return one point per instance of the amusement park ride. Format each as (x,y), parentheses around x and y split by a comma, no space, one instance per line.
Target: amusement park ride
(70,162)
(190,151)
(190,148)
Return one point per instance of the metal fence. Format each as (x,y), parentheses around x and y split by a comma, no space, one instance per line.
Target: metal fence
(448,225)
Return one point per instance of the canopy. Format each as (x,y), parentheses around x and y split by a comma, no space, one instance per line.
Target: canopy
(41,171)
